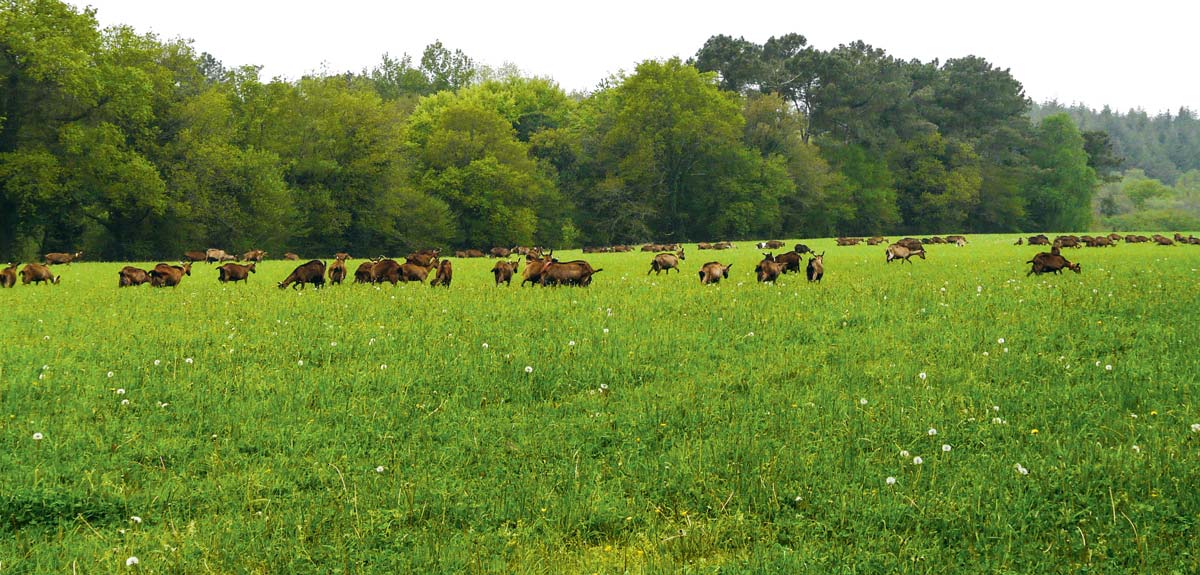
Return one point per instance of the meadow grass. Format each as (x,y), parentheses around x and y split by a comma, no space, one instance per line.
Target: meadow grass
(664,426)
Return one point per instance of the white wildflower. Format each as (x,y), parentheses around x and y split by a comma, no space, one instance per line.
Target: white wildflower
(529,369)
(946,447)
(890,480)
(932,431)
(921,375)
(917,460)
(131,561)
(37,436)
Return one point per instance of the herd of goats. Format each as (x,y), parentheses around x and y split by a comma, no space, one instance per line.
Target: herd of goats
(544,269)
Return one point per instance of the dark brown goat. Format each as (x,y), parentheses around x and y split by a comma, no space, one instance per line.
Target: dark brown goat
(713,272)
(131,276)
(235,272)
(256,256)
(362,275)
(816,267)
(790,261)
(194,256)
(312,272)
(291,257)
(1051,262)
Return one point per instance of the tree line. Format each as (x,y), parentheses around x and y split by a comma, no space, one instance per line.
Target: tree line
(130,146)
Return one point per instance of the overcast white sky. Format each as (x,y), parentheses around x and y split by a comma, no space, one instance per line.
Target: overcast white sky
(1126,55)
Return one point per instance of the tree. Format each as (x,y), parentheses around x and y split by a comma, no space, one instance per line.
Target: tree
(937,183)
(737,62)
(1060,193)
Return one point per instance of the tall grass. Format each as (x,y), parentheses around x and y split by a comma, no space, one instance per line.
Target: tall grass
(665,426)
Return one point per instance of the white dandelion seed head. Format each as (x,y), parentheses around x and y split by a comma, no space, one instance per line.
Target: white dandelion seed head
(300,362)
(862,401)
(890,480)
(932,431)
(188,361)
(997,420)
(379,469)
(333,344)
(124,402)
(1020,469)
(485,345)
(157,363)
(1000,341)
(133,560)
(529,369)
(571,343)
(606,330)
(904,453)
(383,366)
(45,367)
(1097,364)
(922,375)
(37,436)
(120,391)
(946,447)
(135,519)
(603,386)
(1196,428)
(1006,350)
(110,374)
(985,354)
(995,408)
(917,460)
(1108,367)
(1137,449)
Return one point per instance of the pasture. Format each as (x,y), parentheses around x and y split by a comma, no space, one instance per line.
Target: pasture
(645,424)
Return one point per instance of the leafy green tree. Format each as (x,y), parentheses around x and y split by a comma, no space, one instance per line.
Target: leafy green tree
(737,62)
(937,183)
(469,157)
(864,196)
(1062,185)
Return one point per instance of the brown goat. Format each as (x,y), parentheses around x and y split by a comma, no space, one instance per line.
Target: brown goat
(425,260)
(410,272)
(704,246)
(362,275)
(235,272)
(1051,262)
(533,269)
(164,275)
(768,270)
(254,256)
(194,256)
(8,276)
(897,251)
(504,270)
(38,273)
(816,267)
(337,270)
(712,272)
(445,273)
(666,262)
(291,257)
(61,258)
(311,272)
(769,245)
(131,276)
(1039,240)
(498,252)
(790,261)
(574,273)
(386,270)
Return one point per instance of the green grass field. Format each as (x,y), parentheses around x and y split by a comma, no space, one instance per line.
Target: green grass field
(645,424)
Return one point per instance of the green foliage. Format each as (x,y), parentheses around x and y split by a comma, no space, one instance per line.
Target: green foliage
(1060,193)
